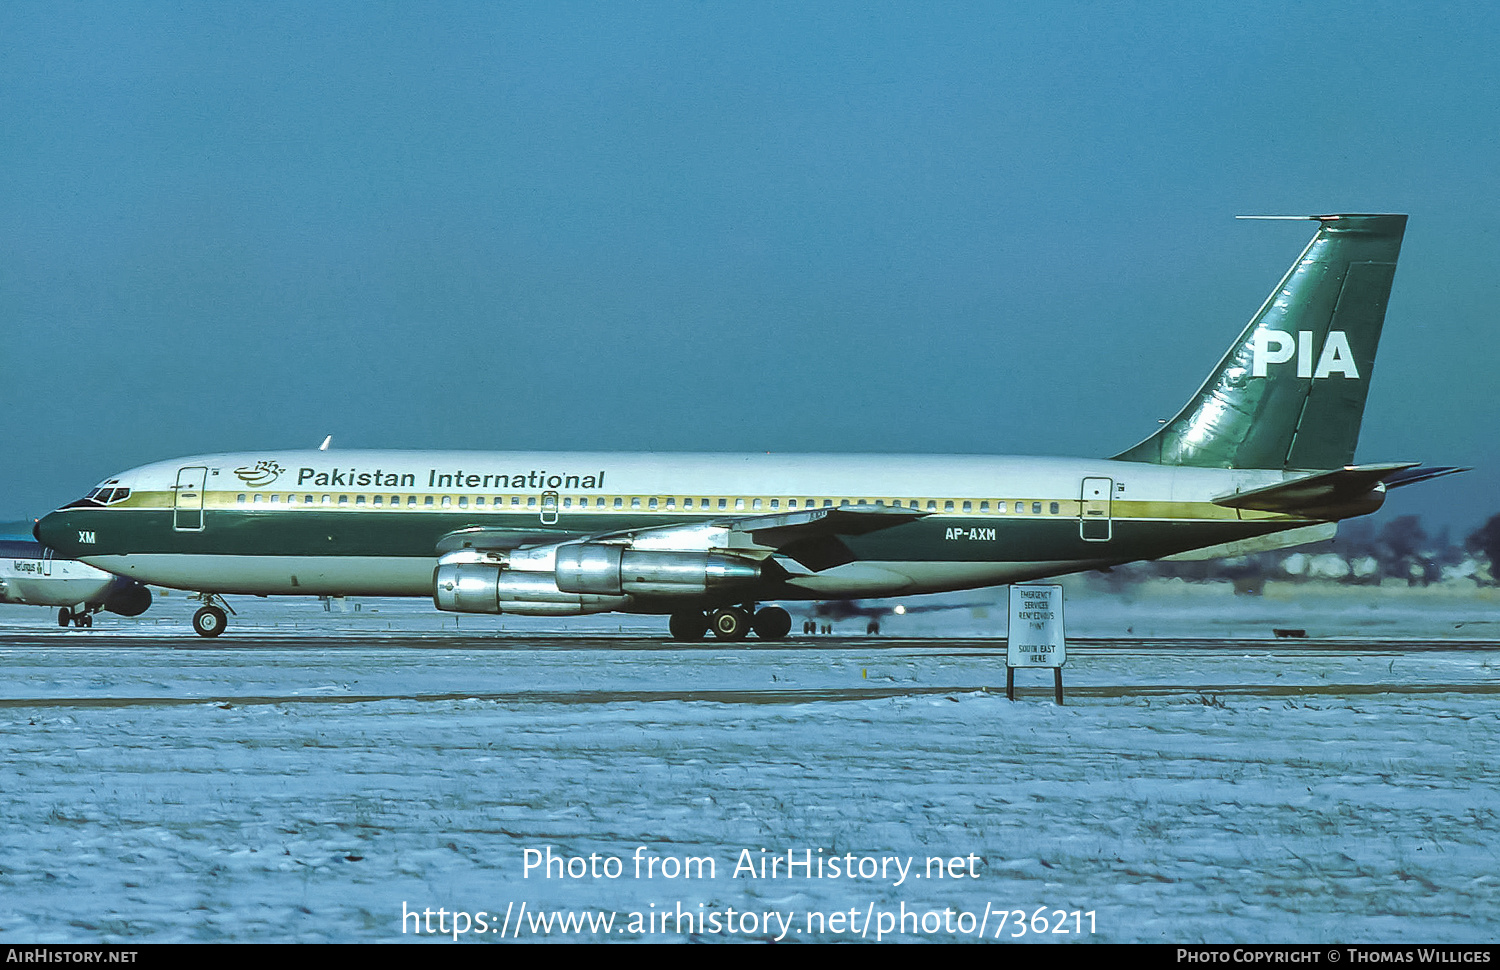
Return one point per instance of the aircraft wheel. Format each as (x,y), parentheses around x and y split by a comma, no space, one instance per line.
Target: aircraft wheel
(209,621)
(64,616)
(84,619)
(772,623)
(688,626)
(730,623)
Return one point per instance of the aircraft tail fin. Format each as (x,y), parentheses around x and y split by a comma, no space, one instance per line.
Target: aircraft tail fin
(1290,393)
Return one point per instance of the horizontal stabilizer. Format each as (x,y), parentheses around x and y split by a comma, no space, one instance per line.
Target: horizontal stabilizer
(1412,476)
(1351,490)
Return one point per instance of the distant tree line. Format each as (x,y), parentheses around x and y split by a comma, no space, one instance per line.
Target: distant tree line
(1362,554)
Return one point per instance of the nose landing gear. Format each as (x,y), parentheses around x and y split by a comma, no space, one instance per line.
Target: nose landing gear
(211,620)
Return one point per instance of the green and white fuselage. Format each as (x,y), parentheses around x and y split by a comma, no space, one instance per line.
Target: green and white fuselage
(1259,458)
(370,522)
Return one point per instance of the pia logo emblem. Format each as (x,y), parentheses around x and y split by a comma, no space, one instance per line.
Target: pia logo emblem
(1269,347)
(263,473)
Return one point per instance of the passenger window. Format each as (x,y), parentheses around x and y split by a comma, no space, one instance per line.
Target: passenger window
(531,501)
(619,502)
(411,500)
(1052,508)
(359,500)
(343,500)
(653,503)
(739,503)
(241,499)
(378,500)
(843,502)
(968,506)
(687,503)
(635,502)
(984,506)
(672,502)
(307,500)
(1036,508)
(1020,506)
(755,505)
(931,505)
(775,503)
(948,506)
(567,503)
(427,501)
(463,501)
(723,503)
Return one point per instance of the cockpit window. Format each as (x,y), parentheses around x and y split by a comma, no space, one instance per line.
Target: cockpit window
(103,494)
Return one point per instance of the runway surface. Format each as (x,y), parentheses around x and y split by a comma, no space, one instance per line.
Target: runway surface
(317,784)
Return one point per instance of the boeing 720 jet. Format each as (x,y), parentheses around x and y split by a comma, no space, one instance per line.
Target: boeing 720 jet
(1260,457)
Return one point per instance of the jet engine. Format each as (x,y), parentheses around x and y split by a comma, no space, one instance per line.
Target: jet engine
(128,598)
(586,577)
(595,567)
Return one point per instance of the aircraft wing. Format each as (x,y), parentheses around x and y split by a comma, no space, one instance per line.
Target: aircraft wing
(810,537)
(1324,492)
(488,539)
(814,537)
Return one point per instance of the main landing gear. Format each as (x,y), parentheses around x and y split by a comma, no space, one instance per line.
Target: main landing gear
(211,620)
(732,623)
(81,618)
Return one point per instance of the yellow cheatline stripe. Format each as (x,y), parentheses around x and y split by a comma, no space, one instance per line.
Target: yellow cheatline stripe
(1067,508)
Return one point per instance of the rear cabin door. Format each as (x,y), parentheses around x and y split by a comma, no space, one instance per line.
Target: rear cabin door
(187,501)
(549,508)
(1095,521)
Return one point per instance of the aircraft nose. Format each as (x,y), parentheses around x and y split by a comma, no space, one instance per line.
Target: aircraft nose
(52,531)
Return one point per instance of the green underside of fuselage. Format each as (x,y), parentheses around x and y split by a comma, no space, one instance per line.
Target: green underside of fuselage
(940,538)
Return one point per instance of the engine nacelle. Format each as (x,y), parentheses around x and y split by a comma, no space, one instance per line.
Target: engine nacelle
(129,598)
(607,570)
(485,587)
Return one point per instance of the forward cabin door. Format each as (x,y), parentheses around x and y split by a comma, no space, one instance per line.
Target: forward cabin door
(187,499)
(1095,518)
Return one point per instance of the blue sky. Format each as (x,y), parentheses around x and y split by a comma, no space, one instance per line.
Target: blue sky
(997,228)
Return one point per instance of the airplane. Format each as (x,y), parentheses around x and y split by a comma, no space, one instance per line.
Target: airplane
(1259,458)
(824,613)
(32,575)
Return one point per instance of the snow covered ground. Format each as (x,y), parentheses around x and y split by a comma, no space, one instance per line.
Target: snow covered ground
(312,773)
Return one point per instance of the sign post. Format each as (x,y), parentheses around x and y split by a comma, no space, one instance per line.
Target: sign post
(1035,635)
